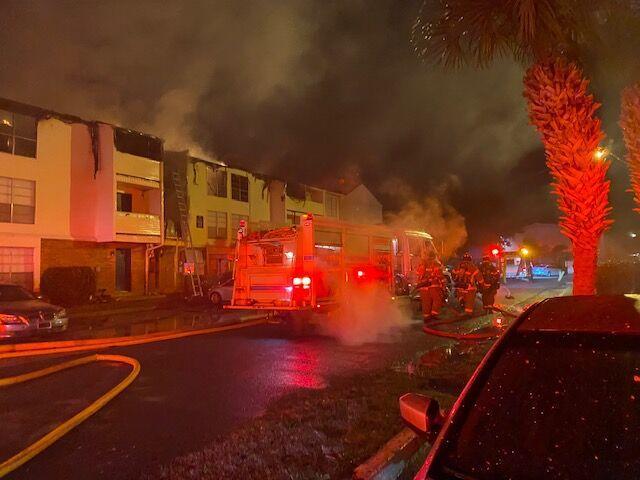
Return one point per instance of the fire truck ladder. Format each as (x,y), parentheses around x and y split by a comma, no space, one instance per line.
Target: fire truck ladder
(185,234)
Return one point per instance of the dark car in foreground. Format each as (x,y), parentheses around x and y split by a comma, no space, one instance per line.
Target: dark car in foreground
(22,314)
(557,396)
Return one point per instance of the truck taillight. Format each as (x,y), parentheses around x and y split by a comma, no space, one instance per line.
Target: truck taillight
(304,282)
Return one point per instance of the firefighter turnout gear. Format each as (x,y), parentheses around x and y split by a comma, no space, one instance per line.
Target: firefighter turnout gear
(490,282)
(466,277)
(432,289)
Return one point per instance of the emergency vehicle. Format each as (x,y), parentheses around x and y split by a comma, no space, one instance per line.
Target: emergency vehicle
(310,266)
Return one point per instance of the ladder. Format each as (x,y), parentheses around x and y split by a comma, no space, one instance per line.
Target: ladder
(185,233)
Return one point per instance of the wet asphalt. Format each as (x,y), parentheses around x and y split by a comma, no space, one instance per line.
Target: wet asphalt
(189,392)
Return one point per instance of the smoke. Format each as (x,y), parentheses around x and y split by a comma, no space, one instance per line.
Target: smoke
(368,315)
(295,88)
(432,213)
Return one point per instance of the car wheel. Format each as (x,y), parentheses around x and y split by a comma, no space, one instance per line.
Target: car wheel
(216,300)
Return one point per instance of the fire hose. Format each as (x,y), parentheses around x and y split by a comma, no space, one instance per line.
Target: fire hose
(38,446)
(429,330)
(47,348)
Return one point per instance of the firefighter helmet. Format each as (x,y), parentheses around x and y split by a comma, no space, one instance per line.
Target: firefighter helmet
(466,257)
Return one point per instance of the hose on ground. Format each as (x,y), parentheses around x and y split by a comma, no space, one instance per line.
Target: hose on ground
(58,432)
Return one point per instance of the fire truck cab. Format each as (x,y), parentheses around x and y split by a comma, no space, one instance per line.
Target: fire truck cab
(311,266)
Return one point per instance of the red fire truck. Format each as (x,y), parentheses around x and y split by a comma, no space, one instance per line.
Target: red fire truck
(308,267)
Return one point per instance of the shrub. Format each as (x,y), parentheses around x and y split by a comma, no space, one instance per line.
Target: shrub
(618,278)
(68,285)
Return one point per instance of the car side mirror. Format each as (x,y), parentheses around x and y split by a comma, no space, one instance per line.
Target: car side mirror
(420,412)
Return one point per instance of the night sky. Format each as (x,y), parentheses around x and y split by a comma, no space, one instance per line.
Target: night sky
(308,90)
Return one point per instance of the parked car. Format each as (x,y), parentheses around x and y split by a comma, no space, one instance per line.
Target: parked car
(557,396)
(22,314)
(220,294)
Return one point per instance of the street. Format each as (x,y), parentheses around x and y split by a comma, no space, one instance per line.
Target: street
(190,392)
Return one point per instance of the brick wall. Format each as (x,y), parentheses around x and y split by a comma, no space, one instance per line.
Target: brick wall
(99,256)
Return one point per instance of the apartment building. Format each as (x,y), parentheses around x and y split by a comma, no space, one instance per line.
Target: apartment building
(220,196)
(78,193)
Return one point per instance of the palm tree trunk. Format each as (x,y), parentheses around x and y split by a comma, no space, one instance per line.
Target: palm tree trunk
(630,124)
(584,269)
(563,112)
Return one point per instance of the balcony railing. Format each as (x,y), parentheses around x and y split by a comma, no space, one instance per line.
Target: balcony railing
(132,223)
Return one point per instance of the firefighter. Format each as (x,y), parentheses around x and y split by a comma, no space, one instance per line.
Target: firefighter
(432,289)
(490,283)
(466,277)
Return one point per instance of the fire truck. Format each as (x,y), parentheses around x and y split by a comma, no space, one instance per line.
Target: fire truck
(309,267)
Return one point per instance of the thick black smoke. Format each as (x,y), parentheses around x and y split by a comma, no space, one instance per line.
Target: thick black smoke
(295,88)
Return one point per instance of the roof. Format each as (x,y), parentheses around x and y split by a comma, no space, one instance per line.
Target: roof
(38,112)
(614,314)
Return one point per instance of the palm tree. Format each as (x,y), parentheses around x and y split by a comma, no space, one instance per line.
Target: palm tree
(476,32)
(630,124)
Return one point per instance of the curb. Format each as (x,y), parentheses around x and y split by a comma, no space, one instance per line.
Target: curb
(67,346)
(389,462)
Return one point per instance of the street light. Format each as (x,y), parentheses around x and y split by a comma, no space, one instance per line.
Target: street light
(600,153)
(524,251)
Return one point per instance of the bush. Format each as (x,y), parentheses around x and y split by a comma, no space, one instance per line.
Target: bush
(68,285)
(618,278)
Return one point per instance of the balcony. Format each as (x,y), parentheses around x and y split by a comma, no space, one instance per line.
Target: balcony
(137,169)
(137,227)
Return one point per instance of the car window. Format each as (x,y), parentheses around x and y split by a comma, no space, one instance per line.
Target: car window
(14,293)
(553,406)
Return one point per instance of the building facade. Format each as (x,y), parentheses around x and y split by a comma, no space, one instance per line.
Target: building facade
(77,193)
(220,196)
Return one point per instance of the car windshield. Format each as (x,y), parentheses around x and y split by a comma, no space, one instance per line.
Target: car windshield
(553,406)
(13,293)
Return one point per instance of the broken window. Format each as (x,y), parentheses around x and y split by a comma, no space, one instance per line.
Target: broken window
(18,134)
(216,181)
(139,144)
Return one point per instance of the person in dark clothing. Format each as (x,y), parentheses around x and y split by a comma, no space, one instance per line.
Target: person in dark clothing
(490,283)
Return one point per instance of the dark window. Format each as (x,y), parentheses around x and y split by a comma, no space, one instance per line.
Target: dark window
(216,181)
(199,221)
(125,202)
(315,195)
(17,200)
(139,144)
(331,205)
(293,217)
(553,406)
(18,134)
(240,187)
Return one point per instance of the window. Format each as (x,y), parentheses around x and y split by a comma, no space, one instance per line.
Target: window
(18,134)
(315,195)
(216,181)
(16,266)
(139,144)
(216,225)
(125,202)
(199,221)
(293,217)
(239,187)
(331,205)
(235,220)
(17,200)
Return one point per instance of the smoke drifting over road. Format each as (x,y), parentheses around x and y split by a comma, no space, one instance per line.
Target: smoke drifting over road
(367,315)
